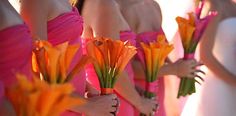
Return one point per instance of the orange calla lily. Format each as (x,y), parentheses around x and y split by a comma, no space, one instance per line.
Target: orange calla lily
(191,31)
(186,29)
(53,62)
(110,58)
(155,54)
(39,98)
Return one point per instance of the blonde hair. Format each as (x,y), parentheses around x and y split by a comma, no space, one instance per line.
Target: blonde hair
(73,2)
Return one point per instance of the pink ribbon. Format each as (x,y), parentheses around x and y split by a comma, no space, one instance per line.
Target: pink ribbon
(151,86)
(189,56)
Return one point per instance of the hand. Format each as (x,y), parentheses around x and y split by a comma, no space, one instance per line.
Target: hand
(92,93)
(187,68)
(104,105)
(140,90)
(147,106)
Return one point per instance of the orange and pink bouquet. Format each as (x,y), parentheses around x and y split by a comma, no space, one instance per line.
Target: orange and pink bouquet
(49,92)
(52,63)
(39,98)
(191,31)
(153,56)
(110,58)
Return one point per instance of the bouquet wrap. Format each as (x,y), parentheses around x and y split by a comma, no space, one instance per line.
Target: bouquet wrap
(152,56)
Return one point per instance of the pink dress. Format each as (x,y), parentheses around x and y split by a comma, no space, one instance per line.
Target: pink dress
(125,109)
(15,50)
(147,37)
(1,92)
(69,27)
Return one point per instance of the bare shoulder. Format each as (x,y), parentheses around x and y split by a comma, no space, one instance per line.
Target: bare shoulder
(104,17)
(34,5)
(157,7)
(101,10)
(103,6)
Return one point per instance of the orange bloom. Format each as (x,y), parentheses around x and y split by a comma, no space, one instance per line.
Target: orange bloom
(38,98)
(53,62)
(186,29)
(155,54)
(110,58)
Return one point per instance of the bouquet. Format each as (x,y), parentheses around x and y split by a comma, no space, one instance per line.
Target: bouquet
(48,93)
(52,63)
(39,98)
(110,57)
(191,31)
(153,55)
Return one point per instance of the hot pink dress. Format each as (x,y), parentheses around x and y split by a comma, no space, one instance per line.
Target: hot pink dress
(125,109)
(147,37)
(1,92)
(69,27)
(15,50)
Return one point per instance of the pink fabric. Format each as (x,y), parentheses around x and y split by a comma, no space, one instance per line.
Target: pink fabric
(160,92)
(125,109)
(15,50)
(1,92)
(189,56)
(152,86)
(69,27)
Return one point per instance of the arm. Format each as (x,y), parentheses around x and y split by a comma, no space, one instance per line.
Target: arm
(207,57)
(35,14)
(100,105)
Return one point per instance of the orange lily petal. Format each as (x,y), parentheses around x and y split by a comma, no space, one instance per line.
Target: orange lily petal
(53,57)
(148,59)
(62,69)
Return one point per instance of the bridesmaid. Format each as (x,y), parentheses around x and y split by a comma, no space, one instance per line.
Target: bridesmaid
(104,19)
(15,50)
(217,95)
(57,21)
(145,19)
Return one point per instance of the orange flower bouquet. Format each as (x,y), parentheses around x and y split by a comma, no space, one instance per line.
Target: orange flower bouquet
(110,57)
(38,98)
(52,63)
(153,55)
(49,93)
(191,31)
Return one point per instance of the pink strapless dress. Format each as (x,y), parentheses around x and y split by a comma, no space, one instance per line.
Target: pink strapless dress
(69,27)
(147,37)
(15,50)
(125,109)
(1,92)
